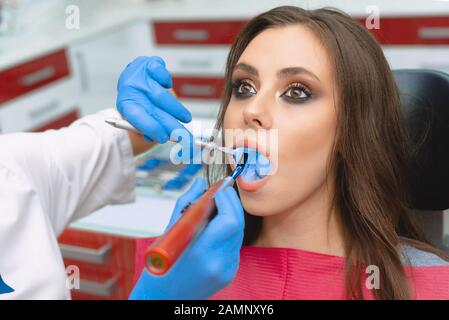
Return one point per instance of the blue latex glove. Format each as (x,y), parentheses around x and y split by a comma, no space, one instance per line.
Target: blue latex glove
(144,101)
(211,262)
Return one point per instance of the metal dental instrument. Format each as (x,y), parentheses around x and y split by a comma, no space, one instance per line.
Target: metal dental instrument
(165,251)
(123,124)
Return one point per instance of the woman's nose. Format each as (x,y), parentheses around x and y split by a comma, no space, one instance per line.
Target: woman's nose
(257,114)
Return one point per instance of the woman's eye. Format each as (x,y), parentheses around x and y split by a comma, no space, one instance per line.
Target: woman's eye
(297,93)
(243,89)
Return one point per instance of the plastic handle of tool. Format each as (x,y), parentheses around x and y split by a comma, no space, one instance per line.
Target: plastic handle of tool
(170,246)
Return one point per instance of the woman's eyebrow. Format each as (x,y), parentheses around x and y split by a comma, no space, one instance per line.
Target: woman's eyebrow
(281,73)
(295,70)
(247,68)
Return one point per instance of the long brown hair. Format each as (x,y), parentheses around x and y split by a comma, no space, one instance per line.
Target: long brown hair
(370,156)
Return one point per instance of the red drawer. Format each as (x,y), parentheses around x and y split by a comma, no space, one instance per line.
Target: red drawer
(105,262)
(32,75)
(412,31)
(64,121)
(196,33)
(100,283)
(393,31)
(198,88)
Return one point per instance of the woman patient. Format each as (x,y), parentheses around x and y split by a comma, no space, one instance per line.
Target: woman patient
(333,221)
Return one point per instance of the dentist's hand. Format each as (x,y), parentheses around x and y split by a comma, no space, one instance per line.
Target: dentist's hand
(211,262)
(145,102)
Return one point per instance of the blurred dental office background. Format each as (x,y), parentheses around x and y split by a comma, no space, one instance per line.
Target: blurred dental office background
(60,60)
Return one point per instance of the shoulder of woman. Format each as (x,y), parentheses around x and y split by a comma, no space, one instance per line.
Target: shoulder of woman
(412,256)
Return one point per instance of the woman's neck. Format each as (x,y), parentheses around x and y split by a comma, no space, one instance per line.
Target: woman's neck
(312,225)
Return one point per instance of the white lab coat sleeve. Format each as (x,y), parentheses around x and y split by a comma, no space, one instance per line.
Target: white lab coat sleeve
(30,260)
(74,170)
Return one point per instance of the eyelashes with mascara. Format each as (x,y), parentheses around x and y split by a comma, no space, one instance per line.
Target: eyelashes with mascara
(295,93)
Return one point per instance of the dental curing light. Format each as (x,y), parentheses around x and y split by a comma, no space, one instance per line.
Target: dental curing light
(165,251)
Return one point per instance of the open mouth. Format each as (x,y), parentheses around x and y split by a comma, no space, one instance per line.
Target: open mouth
(258,165)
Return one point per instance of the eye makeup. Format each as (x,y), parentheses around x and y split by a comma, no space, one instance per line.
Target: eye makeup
(242,88)
(295,93)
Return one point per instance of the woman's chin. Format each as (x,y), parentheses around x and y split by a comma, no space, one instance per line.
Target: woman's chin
(260,198)
(256,203)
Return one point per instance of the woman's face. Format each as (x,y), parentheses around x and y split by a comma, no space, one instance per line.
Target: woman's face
(283,85)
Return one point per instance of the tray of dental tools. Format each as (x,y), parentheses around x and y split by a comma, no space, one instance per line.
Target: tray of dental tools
(158,175)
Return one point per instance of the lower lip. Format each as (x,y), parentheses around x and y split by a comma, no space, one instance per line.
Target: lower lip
(251,185)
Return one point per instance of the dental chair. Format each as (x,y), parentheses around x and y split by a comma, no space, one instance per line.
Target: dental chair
(425,102)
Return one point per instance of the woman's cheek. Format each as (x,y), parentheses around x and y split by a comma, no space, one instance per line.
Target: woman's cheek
(294,181)
(302,166)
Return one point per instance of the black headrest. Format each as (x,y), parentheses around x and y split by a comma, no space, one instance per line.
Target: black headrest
(425,101)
